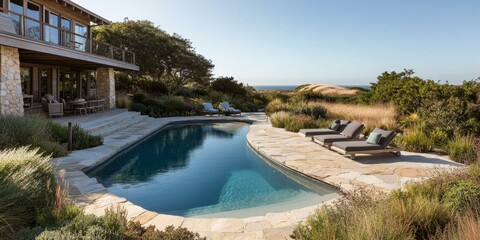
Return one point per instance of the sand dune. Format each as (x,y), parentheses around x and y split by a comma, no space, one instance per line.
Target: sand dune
(329,89)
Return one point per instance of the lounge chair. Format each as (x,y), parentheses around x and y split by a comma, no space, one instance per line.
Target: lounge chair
(368,147)
(336,127)
(209,110)
(350,132)
(229,110)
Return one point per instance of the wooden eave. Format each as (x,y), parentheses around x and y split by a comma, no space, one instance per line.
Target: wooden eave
(38,52)
(75,7)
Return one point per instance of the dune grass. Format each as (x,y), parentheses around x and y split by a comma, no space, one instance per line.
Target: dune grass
(446,206)
(28,187)
(372,116)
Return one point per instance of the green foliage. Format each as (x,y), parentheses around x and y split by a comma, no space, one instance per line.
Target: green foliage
(280,119)
(33,131)
(462,149)
(229,86)
(39,132)
(463,195)
(138,107)
(169,61)
(293,123)
(28,187)
(81,139)
(314,110)
(299,122)
(165,106)
(72,223)
(415,140)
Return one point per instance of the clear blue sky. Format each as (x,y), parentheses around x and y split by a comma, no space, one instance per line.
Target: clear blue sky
(279,42)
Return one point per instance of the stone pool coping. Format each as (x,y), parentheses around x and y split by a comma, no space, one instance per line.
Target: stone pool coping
(276,145)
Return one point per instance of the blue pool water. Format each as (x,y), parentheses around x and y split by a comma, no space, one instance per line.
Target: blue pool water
(206,170)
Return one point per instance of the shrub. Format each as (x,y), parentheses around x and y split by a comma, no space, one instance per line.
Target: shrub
(314,110)
(81,139)
(422,215)
(139,97)
(415,140)
(298,122)
(462,149)
(122,101)
(138,107)
(276,105)
(73,224)
(463,195)
(33,131)
(28,187)
(465,227)
(280,119)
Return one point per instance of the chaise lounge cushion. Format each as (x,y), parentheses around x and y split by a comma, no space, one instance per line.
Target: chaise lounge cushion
(353,129)
(374,138)
(328,139)
(343,125)
(309,132)
(387,136)
(356,146)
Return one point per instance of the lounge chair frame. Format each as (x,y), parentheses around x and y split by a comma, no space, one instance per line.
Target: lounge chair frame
(395,150)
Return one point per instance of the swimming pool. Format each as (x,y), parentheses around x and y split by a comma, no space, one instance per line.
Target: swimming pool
(206,170)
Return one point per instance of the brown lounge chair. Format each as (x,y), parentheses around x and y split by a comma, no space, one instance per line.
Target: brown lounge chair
(350,132)
(363,147)
(336,127)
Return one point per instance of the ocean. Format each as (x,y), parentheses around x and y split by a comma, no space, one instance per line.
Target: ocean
(292,87)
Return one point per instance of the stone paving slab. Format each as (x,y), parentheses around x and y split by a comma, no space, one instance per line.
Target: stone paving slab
(288,149)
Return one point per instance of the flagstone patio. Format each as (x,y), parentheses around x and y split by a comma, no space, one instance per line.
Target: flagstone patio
(122,129)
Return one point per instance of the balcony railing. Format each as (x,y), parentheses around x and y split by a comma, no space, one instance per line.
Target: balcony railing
(36,30)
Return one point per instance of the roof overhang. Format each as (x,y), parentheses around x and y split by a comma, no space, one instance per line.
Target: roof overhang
(36,52)
(75,7)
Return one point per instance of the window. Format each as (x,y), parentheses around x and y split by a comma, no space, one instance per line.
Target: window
(51,32)
(80,37)
(66,27)
(26,79)
(16,6)
(33,23)
(68,85)
(45,85)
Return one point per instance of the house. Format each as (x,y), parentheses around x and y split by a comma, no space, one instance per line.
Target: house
(46,47)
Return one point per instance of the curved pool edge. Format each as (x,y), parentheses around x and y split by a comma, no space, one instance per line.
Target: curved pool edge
(94,198)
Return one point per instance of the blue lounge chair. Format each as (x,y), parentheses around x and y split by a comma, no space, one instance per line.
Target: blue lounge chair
(229,110)
(209,109)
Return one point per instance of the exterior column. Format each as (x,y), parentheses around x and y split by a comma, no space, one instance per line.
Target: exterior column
(106,86)
(11,97)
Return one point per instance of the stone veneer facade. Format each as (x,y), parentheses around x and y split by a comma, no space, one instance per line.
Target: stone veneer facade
(11,98)
(106,86)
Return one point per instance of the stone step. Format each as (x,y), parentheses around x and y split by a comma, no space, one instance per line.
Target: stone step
(120,126)
(104,122)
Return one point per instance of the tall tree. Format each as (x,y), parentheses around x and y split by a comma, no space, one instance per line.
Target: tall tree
(169,59)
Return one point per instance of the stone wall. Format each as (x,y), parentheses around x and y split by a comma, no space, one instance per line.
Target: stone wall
(106,86)
(11,98)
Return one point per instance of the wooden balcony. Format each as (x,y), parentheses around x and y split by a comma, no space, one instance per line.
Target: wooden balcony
(40,42)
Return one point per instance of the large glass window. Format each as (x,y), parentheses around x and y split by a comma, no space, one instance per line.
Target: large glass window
(16,6)
(68,85)
(51,32)
(45,82)
(66,26)
(26,79)
(33,21)
(80,37)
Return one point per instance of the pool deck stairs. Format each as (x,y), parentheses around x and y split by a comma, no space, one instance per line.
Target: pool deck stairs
(106,123)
